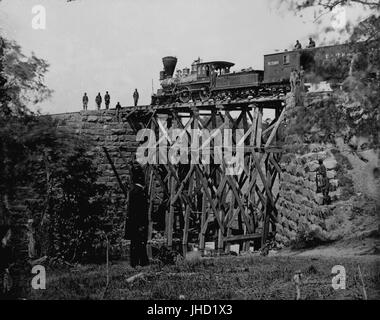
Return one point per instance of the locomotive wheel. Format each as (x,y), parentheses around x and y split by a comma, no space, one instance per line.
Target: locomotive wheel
(205,94)
(184,95)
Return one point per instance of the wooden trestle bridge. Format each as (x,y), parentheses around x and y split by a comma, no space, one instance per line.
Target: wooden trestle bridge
(201,202)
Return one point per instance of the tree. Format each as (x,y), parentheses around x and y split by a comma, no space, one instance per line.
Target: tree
(21,84)
(323,6)
(52,162)
(362,81)
(22,79)
(73,205)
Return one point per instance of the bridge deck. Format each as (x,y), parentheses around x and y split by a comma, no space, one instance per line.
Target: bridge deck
(274,103)
(264,102)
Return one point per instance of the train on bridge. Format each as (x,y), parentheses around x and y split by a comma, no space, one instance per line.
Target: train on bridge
(215,80)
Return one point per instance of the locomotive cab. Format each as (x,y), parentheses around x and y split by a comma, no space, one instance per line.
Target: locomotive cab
(216,68)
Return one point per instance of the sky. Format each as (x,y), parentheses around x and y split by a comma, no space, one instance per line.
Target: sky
(117,45)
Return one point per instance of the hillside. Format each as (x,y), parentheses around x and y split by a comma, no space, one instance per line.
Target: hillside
(336,129)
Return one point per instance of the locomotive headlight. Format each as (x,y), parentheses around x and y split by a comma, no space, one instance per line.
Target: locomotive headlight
(339,18)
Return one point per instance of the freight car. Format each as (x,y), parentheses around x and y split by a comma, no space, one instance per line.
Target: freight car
(214,79)
(316,61)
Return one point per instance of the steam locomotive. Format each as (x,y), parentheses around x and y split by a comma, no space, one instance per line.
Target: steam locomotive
(214,80)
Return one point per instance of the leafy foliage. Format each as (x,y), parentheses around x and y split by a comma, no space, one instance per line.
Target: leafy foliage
(359,72)
(73,208)
(36,153)
(323,6)
(21,131)
(308,237)
(22,79)
(167,256)
(77,207)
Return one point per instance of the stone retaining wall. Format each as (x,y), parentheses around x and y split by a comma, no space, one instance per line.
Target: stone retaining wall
(300,207)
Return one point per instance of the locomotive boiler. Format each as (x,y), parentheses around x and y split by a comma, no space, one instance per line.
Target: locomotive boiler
(204,81)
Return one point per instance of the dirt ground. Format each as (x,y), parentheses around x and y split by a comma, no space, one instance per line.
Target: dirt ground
(368,248)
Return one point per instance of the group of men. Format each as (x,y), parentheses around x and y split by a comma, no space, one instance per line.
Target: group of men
(298,45)
(107,100)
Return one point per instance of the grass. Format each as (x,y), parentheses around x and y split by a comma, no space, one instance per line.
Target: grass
(227,278)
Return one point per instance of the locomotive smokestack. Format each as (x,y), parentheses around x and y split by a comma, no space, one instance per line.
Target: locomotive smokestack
(169,65)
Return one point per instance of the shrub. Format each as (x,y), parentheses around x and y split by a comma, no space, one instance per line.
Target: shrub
(308,236)
(77,208)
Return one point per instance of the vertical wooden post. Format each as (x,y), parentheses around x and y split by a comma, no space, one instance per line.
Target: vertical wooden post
(150,225)
(171,212)
(246,244)
(220,233)
(267,211)
(199,186)
(254,125)
(259,127)
(167,213)
(246,169)
(229,230)
(187,219)
(252,144)
(172,188)
(258,144)
(203,221)
(185,238)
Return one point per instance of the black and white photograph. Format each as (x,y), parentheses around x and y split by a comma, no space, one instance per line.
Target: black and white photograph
(190,154)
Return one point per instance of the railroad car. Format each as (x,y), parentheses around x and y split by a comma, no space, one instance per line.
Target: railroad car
(278,66)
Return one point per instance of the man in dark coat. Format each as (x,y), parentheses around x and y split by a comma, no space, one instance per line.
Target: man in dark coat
(118,110)
(298,45)
(136,227)
(107,100)
(323,184)
(98,101)
(136,97)
(85,101)
(311,43)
